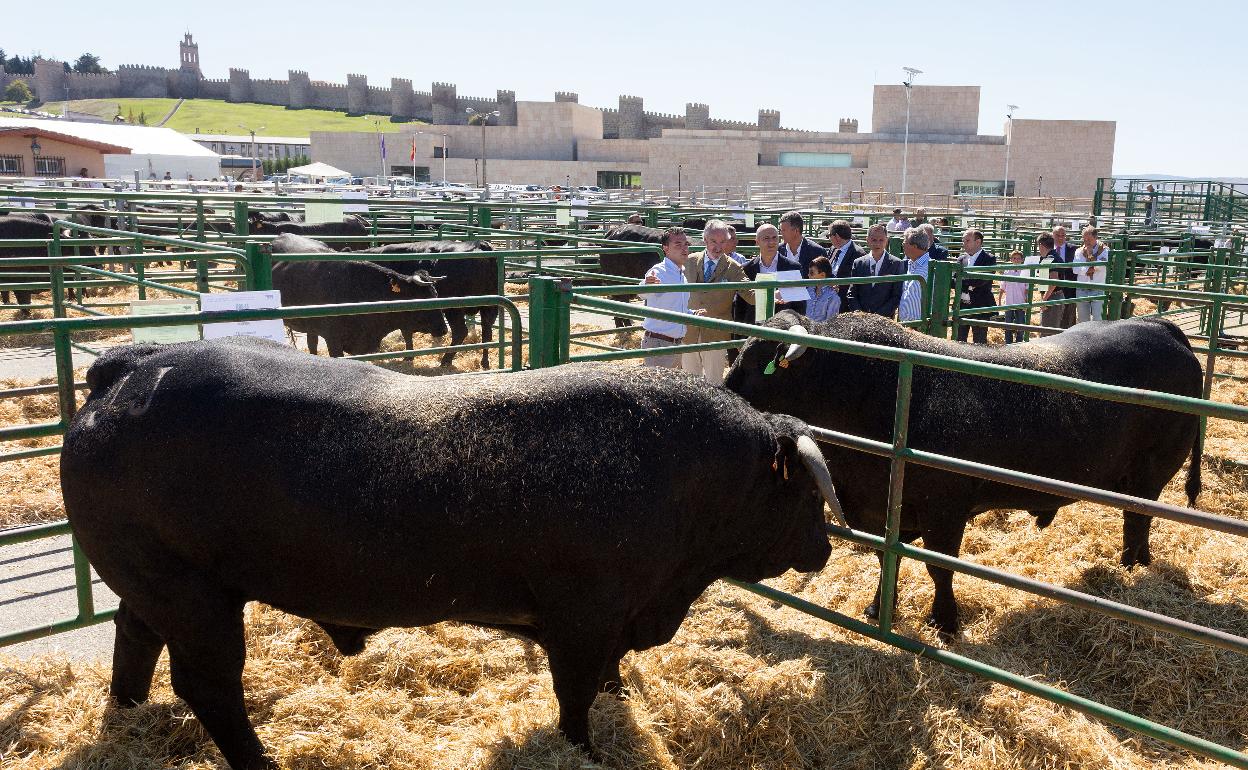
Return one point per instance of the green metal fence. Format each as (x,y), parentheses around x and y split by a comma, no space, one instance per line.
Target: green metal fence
(551,301)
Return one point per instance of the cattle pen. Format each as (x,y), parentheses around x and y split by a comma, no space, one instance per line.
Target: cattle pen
(546,292)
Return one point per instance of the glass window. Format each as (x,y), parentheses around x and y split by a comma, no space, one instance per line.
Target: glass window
(11,165)
(981,187)
(46,166)
(618,180)
(815,159)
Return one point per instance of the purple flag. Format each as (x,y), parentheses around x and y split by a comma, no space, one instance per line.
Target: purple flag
(383,147)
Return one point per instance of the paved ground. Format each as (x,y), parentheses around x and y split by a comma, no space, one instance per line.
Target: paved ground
(37,587)
(34,362)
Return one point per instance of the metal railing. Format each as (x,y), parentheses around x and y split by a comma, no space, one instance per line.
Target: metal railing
(550,303)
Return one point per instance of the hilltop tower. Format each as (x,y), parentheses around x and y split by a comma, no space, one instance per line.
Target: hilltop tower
(189,56)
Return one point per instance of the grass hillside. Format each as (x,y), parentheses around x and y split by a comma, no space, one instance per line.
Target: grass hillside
(219,117)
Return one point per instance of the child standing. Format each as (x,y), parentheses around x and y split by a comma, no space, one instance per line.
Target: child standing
(1014,293)
(825,301)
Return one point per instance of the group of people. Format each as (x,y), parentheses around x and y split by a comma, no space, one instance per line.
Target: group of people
(785,251)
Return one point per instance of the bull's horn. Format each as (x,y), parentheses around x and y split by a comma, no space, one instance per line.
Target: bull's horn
(795,351)
(425,279)
(813,460)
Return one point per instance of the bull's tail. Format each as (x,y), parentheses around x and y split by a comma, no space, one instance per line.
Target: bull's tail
(1192,487)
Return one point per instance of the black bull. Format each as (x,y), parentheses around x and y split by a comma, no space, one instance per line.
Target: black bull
(1124,448)
(563,505)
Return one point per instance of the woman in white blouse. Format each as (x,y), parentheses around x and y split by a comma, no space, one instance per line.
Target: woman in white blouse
(1095,258)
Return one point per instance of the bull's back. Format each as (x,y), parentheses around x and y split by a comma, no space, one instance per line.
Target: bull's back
(263,466)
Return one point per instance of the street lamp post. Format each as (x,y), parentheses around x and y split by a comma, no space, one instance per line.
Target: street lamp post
(1040,186)
(905,147)
(679,168)
(252,131)
(1009,136)
(483,118)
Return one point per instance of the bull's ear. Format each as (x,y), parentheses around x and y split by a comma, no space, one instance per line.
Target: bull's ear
(786,450)
(395,286)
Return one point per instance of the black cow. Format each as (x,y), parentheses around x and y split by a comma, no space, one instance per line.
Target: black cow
(351,224)
(633,264)
(347,494)
(22,226)
(334,282)
(1124,448)
(459,278)
(253,217)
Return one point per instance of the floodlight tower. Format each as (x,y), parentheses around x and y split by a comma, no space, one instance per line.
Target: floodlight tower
(1009,136)
(911,72)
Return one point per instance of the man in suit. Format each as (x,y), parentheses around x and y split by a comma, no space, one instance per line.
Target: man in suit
(977,292)
(879,298)
(769,260)
(843,254)
(1065,253)
(713,265)
(798,247)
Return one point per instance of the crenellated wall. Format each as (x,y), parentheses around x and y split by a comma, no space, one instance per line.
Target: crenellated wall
(401,98)
(300,92)
(240,85)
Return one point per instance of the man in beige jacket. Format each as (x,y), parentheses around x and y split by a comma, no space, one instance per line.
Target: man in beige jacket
(712,266)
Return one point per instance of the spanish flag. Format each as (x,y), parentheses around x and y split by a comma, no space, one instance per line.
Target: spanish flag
(412,158)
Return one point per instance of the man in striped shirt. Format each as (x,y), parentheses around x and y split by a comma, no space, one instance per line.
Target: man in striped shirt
(915,244)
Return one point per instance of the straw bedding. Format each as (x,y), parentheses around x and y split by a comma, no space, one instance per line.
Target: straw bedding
(745,684)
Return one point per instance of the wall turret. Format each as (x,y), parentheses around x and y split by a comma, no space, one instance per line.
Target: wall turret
(848,126)
(696,116)
(769,120)
(240,85)
(567,96)
(506,108)
(299,89)
(632,117)
(357,94)
(445,105)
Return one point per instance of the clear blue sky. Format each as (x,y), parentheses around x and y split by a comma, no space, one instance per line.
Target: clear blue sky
(1171,74)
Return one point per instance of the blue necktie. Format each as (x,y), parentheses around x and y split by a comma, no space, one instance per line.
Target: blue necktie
(706,273)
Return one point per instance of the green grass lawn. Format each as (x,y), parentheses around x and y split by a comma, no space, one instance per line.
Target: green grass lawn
(219,117)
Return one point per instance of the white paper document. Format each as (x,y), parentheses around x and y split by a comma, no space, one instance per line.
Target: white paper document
(243,300)
(164,334)
(791,293)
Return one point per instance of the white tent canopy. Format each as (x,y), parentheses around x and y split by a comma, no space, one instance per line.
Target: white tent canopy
(317,169)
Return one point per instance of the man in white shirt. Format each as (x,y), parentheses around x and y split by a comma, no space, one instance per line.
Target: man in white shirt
(898,224)
(915,244)
(665,334)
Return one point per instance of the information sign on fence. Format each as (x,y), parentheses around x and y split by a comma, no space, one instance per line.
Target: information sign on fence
(164,334)
(243,300)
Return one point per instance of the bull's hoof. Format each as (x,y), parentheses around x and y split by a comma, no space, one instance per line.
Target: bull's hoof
(1133,556)
(947,628)
(1043,518)
(872,611)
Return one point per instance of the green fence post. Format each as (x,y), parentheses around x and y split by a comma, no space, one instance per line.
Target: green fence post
(652,217)
(1117,271)
(201,264)
(241,224)
(485,216)
(259,266)
(941,285)
(549,321)
(896,483)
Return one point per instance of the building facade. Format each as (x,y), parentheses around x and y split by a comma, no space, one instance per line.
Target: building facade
(564,142)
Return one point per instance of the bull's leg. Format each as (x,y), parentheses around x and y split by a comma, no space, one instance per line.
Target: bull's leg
(872,610)
(1135,527)
(313,343)
(135,651)
(23,298)
(947,539)
(335,347)
(1043,518)
(459,332)
(489,316)
(206,659)
(576,669)
(349,640)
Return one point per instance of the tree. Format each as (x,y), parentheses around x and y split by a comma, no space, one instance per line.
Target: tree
(18,91)
(89,63)
(142,118)
(16,65)
(130,117)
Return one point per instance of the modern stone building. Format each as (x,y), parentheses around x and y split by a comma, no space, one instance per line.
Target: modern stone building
(565,142)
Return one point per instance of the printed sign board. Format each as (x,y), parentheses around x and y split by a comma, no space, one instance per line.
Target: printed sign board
(243,300)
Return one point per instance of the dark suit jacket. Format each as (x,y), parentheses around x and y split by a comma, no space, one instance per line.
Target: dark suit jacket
(879,298)
(937,251)
(806,252)
(980,288)
(852,252)
(1065,254)
(742,311)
